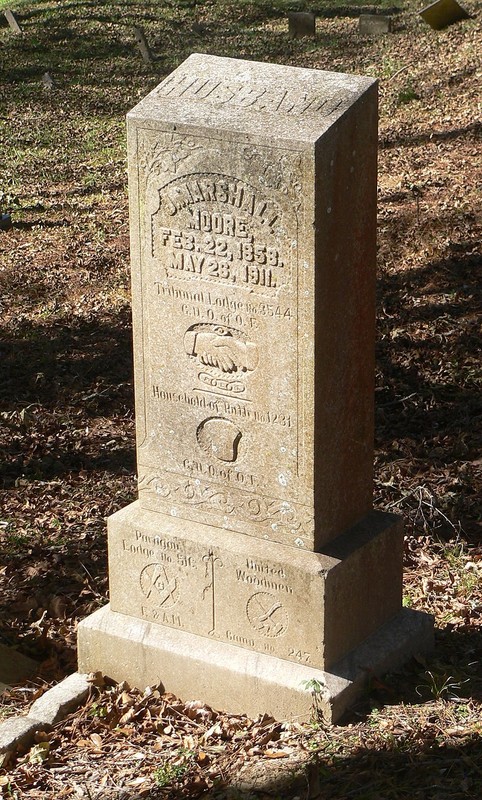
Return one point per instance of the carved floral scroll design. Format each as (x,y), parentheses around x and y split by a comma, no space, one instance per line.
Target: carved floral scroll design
(282,174)
(266,511)
(161,157)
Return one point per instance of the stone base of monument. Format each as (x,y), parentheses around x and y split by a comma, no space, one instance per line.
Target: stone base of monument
(238,681)
(246,624)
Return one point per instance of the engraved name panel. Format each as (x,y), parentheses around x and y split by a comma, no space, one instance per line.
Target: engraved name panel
(219,406)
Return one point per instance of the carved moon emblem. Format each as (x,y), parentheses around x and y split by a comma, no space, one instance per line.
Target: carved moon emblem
(219,438)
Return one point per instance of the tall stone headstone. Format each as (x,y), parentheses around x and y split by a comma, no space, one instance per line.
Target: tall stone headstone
(252,563)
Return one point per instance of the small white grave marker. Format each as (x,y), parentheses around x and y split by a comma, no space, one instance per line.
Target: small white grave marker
(143,45)
(12,21)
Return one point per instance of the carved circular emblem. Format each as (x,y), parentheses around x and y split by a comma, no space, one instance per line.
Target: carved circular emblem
(267,615)
(158,586)
(219,438)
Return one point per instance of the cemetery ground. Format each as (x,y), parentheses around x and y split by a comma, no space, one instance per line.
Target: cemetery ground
(67,416)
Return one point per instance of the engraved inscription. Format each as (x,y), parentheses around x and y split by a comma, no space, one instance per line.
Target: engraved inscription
(225,356)
(265,568)
(224,190)
(235,476)
(243,640)
(190,591)
(166,551)
(220,307)
(301,655)
(267,615)
(212,303)
(158,157)
(280,516)
(252,97)
(159,586)
(227,239)
(157,541)
(266,583)
(174,620)
(221,406)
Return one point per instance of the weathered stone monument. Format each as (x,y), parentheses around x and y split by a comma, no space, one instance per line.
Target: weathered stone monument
(143,45)
(301,23)
(442,13)
(374,24)
(252,567)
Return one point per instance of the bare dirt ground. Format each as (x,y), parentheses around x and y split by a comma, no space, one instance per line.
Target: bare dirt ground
(67,417)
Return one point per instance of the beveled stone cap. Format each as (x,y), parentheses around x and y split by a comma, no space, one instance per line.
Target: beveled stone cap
(275,101)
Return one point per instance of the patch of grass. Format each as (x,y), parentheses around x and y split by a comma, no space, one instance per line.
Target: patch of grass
(407,94)
(440,686)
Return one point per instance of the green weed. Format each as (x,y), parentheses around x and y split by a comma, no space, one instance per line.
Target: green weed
(316,688)
(170,771)
(98,710)
(440,685)
(406,95)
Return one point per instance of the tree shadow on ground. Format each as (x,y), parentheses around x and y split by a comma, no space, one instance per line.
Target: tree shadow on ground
(57,380)
(432,771)
(429,406)
(430,762)
(389,141)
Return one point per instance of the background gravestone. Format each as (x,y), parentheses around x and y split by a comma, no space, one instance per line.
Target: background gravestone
(253,563)
(301,23)
(374,24)
(143,45)
(14,667)
(12,21)
(443,13)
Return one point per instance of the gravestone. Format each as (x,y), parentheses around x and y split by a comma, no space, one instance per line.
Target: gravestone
(12,21)
(301,23)
(143,45)
(253,564)
(5,222)
(443,13)
(374,24)
(47,80)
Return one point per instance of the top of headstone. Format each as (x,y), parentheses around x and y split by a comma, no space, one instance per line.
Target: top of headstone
(268,100)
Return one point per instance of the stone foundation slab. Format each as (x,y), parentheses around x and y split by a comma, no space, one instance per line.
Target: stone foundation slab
(234,679)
